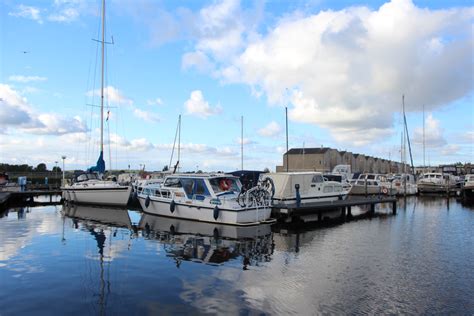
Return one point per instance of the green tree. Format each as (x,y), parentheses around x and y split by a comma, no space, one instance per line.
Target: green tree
(41,167)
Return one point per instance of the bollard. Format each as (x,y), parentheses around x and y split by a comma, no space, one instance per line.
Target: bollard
(298,196)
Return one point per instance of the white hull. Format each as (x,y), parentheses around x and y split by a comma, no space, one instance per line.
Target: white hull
(183,226)
(311,199)
(434,188)
(117,196)
(205,213)
(411,189)
(361,189)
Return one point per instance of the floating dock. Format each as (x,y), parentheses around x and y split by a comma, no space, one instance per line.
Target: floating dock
(319,208)
(7,198)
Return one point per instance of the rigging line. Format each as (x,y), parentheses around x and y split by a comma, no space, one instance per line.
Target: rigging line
(408,140)
(174,143)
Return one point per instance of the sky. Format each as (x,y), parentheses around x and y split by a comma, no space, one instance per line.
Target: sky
(341,68)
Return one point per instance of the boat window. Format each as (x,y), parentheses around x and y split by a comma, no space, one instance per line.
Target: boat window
(173,183)
(317,178)
(224,184)
(328,189)
(188,185)
(438,176)
(338,188)
(200,187)
(371,176)
(194,187)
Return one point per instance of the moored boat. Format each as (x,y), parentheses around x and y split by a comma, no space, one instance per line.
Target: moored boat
(89,189)
(372,183)
(404,184)
(305,187)
(215,198)
(435,182)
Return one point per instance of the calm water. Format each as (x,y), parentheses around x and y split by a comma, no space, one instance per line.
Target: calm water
(55,260)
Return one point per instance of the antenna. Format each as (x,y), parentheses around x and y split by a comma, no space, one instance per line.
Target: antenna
(286,116)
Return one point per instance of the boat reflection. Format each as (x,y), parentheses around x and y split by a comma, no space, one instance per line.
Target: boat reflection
(209,243)
(103,215)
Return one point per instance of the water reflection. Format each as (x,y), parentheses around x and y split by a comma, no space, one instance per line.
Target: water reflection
(209,243)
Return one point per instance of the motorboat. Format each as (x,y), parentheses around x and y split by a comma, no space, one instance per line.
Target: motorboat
(372,183)
(215,198)
(6,185)
(88,188)
(208,243)
(404,184)
(435,182)
(468,186)
(305,187)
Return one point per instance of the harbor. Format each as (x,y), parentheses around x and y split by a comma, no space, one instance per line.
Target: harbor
(119,261)
(228,157)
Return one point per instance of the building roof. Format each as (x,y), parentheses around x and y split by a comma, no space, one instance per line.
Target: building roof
(300,151)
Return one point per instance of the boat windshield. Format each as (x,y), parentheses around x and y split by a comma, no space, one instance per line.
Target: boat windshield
(224,185)
(86,176)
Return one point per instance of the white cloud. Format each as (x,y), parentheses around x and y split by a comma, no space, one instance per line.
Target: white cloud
(28,12)
(245,141)
(54,124)
(64,15)
(450,150)
(146,116)
(113,94)
(198,60)
(271,130)
(348,67)
(25,79)
(433,133)
(14,109)
(196,105)
(156,101)
(15,112)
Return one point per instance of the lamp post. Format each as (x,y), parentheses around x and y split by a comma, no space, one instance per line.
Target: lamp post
(56,172)
(63,158)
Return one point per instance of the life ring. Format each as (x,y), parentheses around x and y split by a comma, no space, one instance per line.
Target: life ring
(224,184)
(384,190)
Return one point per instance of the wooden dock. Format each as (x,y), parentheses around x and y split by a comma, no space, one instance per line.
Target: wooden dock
(8,198)
(319,208)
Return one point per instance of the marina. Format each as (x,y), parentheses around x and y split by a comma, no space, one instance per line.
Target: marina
(237,158)
(119,261)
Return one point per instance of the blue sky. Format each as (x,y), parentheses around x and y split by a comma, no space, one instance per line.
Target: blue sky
(341,68)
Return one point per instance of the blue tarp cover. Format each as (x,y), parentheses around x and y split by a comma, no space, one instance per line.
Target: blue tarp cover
(100,166)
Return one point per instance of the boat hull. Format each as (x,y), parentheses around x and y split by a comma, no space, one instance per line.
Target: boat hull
(310,199)
(434,188)
(162,207)
(117,196)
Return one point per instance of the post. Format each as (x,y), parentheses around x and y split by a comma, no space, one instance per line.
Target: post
(298,196)
(394,207)
(63,158)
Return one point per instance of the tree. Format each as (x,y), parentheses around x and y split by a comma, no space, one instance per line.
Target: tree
(266,170)
(165,168)
(56,169)
(41,167)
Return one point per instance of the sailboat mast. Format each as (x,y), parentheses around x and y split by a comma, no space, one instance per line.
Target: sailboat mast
(404,137)
(179,139)
(242,143)
(102,81)
(424,163)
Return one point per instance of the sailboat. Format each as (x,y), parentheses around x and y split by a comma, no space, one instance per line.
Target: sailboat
(405,183)
(89,187)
